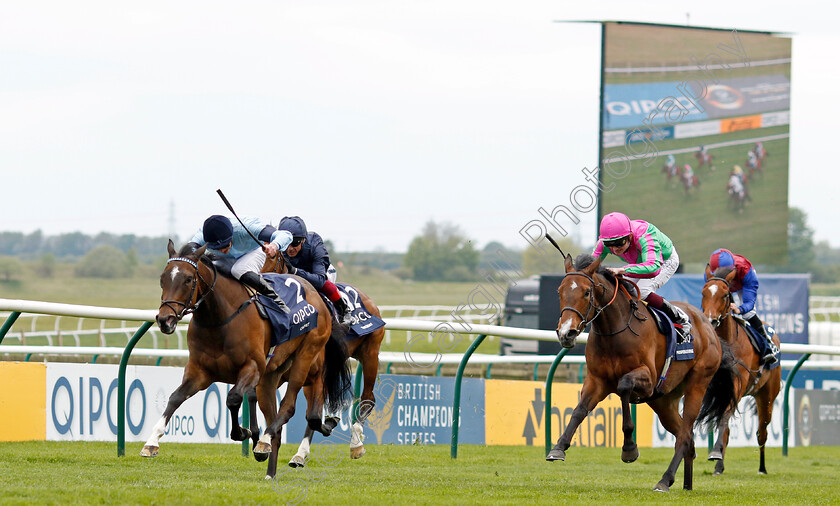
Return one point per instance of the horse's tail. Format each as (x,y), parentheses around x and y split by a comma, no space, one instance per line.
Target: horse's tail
(721,393)
(336,372)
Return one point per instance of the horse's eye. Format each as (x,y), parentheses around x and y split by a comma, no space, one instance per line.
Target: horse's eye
(188,280)
(587,292)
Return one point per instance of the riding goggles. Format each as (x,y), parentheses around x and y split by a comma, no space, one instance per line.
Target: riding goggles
(617,242)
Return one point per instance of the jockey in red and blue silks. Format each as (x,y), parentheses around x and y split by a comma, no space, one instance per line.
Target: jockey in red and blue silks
(744,290)
(651,256)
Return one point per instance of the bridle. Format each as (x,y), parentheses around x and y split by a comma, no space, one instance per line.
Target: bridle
(593,306)
(188,306)
(280,264)
(728,297)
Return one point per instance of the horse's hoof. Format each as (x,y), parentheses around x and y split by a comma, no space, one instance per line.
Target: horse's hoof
(629,456)
(357,452)
(715,455)
(717,473)
(262,451)
(556,454)
(149,451)
(297,461)
(242,435)
(762,473)
(661,487)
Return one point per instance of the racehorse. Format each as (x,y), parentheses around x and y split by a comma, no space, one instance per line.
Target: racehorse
(625,354)
(689,179)
(671,172)
(703,158)
(754,380)
(365,349)
(754,164)
(228,341)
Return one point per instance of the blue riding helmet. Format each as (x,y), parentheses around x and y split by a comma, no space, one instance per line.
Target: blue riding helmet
(218,232)
(294,225)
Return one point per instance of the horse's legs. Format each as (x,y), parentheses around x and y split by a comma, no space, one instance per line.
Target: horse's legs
(637,381)
(370,367)
(719,450)
(266,395)
(300,458)
(592,392)
(252,413)
(195,380)
(764,406)
(247,379)
(297,376)
(684,446)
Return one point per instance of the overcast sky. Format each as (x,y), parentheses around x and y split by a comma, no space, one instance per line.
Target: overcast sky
(366,118)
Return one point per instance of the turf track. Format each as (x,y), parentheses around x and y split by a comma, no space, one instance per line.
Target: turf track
(86,473)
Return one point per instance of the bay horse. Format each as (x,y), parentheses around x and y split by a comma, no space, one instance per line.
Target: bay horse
(625,355)
(761,384)
(703,159)
(365,349)
(228,341)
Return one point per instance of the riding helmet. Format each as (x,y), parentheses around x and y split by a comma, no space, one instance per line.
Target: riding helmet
(218,231)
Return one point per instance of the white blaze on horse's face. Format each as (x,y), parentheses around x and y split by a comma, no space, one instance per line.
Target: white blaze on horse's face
(574,285)
(713,290)
(564,329)
(174,272)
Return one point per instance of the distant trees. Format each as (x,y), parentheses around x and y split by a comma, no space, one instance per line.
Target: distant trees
(10,267)
(105,262)
(442,253)
(550,261)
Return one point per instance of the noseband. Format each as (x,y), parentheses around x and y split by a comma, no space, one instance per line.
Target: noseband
(717,321)
(188,307)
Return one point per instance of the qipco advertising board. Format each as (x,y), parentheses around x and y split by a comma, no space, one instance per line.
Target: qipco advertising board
(81,405)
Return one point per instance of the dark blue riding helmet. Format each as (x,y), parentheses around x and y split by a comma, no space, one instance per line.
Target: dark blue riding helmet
(218,231)
(294,225)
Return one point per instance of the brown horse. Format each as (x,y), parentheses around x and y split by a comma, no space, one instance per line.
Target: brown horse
(625,355)
(754,380)
(228,341)
(365,349)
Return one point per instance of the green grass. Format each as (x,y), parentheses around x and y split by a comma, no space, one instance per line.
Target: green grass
(702,221)
(91,473)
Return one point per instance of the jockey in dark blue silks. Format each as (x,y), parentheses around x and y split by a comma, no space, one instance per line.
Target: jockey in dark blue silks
(744,290)
(236,253)
(308,258)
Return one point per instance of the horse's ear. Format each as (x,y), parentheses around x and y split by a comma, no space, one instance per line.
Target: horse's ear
(591,268)
(171,248)
(567,262)
(731,276)
(199,252)
(709,274)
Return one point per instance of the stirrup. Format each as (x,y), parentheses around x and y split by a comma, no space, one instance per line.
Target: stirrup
(768,359)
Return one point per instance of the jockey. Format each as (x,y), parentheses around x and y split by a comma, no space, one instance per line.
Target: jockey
(759,149)
(688,173)
(308,258)
(652,257)
(752,160)
(736,184)
(671,162)
(744,290)
(238,254)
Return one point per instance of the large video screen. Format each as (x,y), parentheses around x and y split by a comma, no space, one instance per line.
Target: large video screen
(694,138)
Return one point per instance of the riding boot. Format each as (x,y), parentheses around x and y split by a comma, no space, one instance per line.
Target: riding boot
(343,311)
(679,317)
(770,350)
(256,281)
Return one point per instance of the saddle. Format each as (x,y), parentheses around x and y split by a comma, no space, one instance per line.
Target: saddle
(757,341)
(674,349)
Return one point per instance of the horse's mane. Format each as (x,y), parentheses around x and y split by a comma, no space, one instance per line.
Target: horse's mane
(723,271)
(189,249)
(584,260)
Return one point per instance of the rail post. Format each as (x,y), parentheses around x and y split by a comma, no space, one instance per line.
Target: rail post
(9,322)
(357,392)
(548,380)
(456,404)
(121,387)
(785,405)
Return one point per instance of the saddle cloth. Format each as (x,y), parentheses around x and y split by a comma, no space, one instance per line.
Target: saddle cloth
(302,317)
(673,349)
(758,342)
(363,322)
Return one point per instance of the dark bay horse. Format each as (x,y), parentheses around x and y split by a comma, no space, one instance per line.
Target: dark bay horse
(625,355)
(754,380)
(228,341)
(365,349)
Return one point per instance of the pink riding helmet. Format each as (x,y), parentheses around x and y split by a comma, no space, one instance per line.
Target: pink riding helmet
(614,225)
